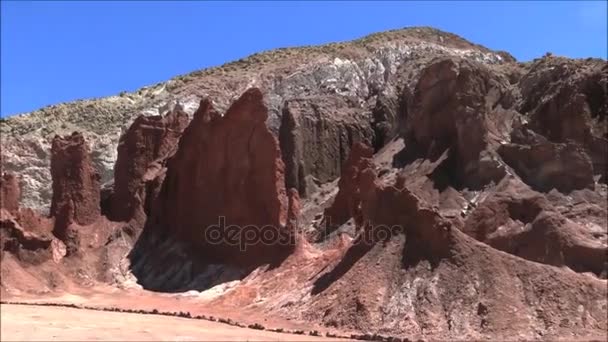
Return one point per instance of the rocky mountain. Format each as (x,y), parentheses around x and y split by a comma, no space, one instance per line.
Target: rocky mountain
(357,76)
(407,185)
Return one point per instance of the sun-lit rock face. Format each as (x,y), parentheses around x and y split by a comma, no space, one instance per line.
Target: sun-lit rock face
(227,172)
(150,138)
(76,189)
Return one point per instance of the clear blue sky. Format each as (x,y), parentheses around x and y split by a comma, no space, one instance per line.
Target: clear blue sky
(59,51)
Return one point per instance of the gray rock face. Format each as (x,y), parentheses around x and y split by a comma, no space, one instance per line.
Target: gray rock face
(357,72)
(316,137)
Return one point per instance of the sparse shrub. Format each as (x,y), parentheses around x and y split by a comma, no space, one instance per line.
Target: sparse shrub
(256,326)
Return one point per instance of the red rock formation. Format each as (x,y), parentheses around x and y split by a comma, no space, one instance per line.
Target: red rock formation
(523,222)
(228,174)
(33,221)
(23,232)
(76,194)
(345,202)
(30,246)
(390,209)
(513,201)
(409,265)
(149,138)
(10,192)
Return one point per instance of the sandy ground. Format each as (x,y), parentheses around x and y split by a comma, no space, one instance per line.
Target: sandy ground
(48,323)
(195,303)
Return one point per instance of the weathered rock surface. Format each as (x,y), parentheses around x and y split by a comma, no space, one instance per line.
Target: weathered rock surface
(347,198)
(462,106)
(148,139)
(228,173)
(567,100)
(29,238)
(547,165)
(76,189)
(412,273)
(211,200)
(10,192)
(316,135)
(523,222)
(31,244)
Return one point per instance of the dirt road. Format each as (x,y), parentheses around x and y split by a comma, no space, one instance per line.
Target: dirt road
(48,323)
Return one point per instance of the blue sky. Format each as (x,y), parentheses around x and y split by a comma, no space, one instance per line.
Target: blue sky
(54,52)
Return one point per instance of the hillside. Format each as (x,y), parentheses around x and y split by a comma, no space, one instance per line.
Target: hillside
(408,185)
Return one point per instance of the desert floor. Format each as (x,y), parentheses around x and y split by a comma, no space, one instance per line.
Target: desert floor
(49,323)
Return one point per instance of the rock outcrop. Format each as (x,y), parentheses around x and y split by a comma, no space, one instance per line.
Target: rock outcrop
(316,135)
(523,222)
(225,181)
(547,165)
(566,100)
(462,106)
(150,138)
(10,192)
(347,198)
(76,189)
(31,246)
(411,271)
(389,209)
